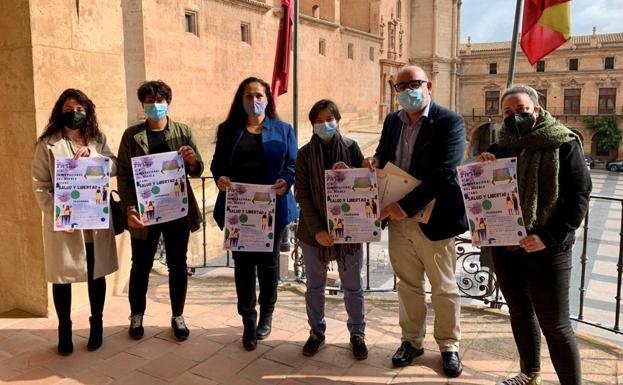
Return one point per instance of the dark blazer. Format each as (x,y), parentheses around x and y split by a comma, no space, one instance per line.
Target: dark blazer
(280,149)
(437,152)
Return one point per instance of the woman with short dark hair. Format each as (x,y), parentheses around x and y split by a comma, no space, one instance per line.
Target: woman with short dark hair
(327,150)
(254,146)
(73,255)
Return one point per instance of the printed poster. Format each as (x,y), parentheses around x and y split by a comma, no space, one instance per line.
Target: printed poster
(352,205)
(249,218)
(492,202)
(81,193)
(161,188)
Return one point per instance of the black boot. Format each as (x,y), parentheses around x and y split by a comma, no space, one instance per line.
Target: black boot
(264,326)
(65,346)
(249,336)
(96,333)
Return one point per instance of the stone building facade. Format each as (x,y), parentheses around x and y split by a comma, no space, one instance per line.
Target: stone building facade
(349,51)
(582,79)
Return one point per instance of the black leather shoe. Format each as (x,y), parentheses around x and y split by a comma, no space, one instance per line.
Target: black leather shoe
(264,326)
(95,335)
(249,337)
(65,345)
(452,366)
(405,354)
(313,344)
(358,344)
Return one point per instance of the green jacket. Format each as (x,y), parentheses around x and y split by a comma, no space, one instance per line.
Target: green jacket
(133,144)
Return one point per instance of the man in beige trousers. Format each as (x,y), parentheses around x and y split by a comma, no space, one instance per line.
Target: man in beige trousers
(427,141)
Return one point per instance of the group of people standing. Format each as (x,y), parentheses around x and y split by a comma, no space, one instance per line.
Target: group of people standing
(254,146)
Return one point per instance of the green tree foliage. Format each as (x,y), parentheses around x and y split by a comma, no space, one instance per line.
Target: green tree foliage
(606,129)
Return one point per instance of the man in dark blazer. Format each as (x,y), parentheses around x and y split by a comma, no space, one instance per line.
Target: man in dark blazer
(427,141)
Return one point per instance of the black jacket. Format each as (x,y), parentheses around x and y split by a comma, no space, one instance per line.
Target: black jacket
(438,150)
(574,190)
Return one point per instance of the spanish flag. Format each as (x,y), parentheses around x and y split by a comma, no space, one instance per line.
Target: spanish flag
(546,26)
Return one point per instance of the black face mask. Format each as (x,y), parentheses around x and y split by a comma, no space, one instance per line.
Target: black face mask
(74,120)
(520,123)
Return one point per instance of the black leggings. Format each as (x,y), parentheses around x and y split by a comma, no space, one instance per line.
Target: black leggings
(536,289)
(61,292)
(176,234)
(267,267)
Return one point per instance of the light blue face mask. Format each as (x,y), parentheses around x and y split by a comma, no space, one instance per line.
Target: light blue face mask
(255,108)
(156,111)
(326,131)
(411,100)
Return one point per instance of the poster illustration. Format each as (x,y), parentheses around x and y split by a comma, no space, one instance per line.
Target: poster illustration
(161,189)
(81,193)
(352,205)
(249,218)
(492,202)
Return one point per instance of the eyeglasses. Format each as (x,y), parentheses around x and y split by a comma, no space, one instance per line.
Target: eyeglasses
(411,84)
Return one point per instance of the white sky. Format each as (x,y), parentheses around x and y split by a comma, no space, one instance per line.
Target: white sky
(492,20)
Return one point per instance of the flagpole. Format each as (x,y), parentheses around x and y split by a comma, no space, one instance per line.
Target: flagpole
(295,74)
(511,63)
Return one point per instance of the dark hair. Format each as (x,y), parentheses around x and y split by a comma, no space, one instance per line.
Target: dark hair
(237,116)
(55,124)
(322,105)
(155,88)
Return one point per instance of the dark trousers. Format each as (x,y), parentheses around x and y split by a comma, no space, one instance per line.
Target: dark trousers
(176,234)
(536,289)
(267,267)
(61,292)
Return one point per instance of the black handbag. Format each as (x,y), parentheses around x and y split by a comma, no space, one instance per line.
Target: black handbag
(119,215)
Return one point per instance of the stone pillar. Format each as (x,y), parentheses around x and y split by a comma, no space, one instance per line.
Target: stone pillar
(46,47)
(22,283)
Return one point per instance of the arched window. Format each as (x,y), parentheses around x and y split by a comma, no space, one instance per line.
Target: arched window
(316,11)
(398,9)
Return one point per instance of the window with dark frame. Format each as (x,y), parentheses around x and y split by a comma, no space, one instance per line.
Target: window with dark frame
(540,66)
(245,32)
(542,98)
(190,22)
(371,53)
(573,64)
(572,101)
(599,148)
(322,47)
(492,102)
(607,100)
(609,63)
(493,68)
(351,51)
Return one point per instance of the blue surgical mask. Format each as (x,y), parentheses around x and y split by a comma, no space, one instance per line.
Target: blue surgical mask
(411,100)
(326,131)
(156,111)
(254,108)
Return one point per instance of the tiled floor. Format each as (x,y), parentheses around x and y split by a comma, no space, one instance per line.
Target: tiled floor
(214,355)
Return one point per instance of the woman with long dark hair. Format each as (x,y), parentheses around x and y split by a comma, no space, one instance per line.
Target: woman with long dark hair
(73,255)
(254,146)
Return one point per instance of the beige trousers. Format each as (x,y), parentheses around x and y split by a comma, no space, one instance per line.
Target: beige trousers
(412,255)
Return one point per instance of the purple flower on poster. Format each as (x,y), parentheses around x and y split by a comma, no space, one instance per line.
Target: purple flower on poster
(475,208)
(64,196)
(145,194)
(72,164)
(336,210)
(148,162)
(233,220)
(476,170)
